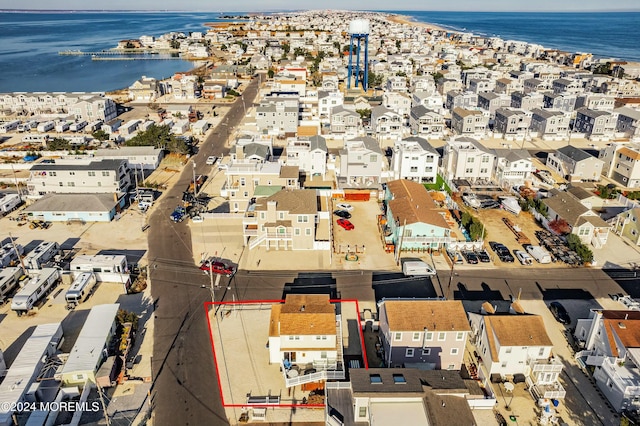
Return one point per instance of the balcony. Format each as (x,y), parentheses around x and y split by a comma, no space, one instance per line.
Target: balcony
(548,391)
(550,365)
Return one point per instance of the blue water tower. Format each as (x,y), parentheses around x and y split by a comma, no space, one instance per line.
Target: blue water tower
(358,32)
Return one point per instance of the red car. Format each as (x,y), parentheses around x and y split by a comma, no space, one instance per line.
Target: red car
(217,268)
(346,224)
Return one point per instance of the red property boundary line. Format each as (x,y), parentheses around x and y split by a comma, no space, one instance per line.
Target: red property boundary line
(207,305)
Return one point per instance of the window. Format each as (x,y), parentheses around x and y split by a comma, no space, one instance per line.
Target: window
(52,173)
(281,215)
(362,411)
(399,379)
(397,336)
(104,173)
(414,169)
(296,231)
(416,336)
(262,215)
(454,351)
(428,336)
(91,173)
(307,232)
(373,158)
(303,219)
(485,158)
(470,160)
(469,170)
(426,351)
(504,364)
(409,352)
(442,336)
(71,184)
(541,352)
(508,350)
(281,230)
(375,379)
(74,173)
(460,336)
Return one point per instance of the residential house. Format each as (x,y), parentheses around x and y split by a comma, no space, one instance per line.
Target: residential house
(309,154)
(549,124)
(83,106)
(431,334)
(584,222)
(260,62)
(398,102)
(611,341)
(491,101)
(345,122)
(564,102)
(535,85)
(414,221)
(360,163)
(627,225)
(456,99)
(402,395)
(508,86)
(396,83)
(147,89)
(290,85)
(596,125)
(628,122)
(469,122)
(425,122)
(512,123)
(518,344)
(622,163)
(567,86)
(80,207)
(527,101)
(481,85)
(243,177)
(574,164)
(415,159)
(513,167)
(182,86)
(327,101)
(305,332)
(213,90)
(596,102)
(330,81)
(466,158)
(101,176)
(286,220)
(386,122)
(277,118)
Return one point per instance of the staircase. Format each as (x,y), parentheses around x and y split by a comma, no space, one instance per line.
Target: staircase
(257,241)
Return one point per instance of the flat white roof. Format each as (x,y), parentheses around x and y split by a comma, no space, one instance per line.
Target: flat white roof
(88,348)
(407,412)
(26,367)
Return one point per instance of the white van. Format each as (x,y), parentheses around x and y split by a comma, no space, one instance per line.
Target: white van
(417,268)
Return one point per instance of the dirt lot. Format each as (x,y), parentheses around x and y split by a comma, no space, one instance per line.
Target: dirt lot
(497,231)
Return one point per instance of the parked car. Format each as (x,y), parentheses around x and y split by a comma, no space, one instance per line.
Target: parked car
(559,312)
(217,267)
(502,251)
(343,214)
(346,224)
(211,160)
(455,257)
(470,257)
(345,206)
(523,257)
(483,256)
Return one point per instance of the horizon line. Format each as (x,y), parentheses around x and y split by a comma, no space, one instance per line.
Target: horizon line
(28,10)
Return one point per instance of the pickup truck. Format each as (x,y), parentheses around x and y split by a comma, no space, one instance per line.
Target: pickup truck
(178,214)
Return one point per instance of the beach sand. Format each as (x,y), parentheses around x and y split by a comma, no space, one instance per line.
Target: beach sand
(407,20)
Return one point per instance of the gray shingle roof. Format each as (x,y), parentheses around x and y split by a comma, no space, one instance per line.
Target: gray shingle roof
(73,203)
(94,165)
(575,153)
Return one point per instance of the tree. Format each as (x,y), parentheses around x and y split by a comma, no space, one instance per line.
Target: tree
(286,47)
(437,76)
(375,80)
(100,135)
(574,243)
(58,144)
(541,207)
(476,230)
(364,113)
(466,219)
(159,137)
(270,73)
(174,44)
(560,226)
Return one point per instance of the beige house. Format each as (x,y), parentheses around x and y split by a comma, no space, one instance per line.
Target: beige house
(468,122)
(287,220)
(145,89)
(243,176)
(430,333)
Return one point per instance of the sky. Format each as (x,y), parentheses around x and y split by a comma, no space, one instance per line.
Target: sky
(273,5)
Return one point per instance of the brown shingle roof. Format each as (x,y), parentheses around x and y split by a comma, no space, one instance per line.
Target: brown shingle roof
(435,315)
(518,330)
(624,324)
(303,315)
(289,172)
(412,202)
(295,201)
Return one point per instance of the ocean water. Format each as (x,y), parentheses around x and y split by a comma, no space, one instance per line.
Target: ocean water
(29,45)
(607,35)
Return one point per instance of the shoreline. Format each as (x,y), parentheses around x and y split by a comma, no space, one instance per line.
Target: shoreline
(409,20)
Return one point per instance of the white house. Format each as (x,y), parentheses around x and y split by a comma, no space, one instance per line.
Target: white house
(415,159)
(466,158)
(513,167)
(309,154)
(611,342)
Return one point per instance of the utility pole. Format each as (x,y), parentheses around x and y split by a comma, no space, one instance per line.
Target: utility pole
(195,184)
(15,178)
(13,243)
(104,407)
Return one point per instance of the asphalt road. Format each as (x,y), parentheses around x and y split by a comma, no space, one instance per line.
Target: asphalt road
(185,388)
